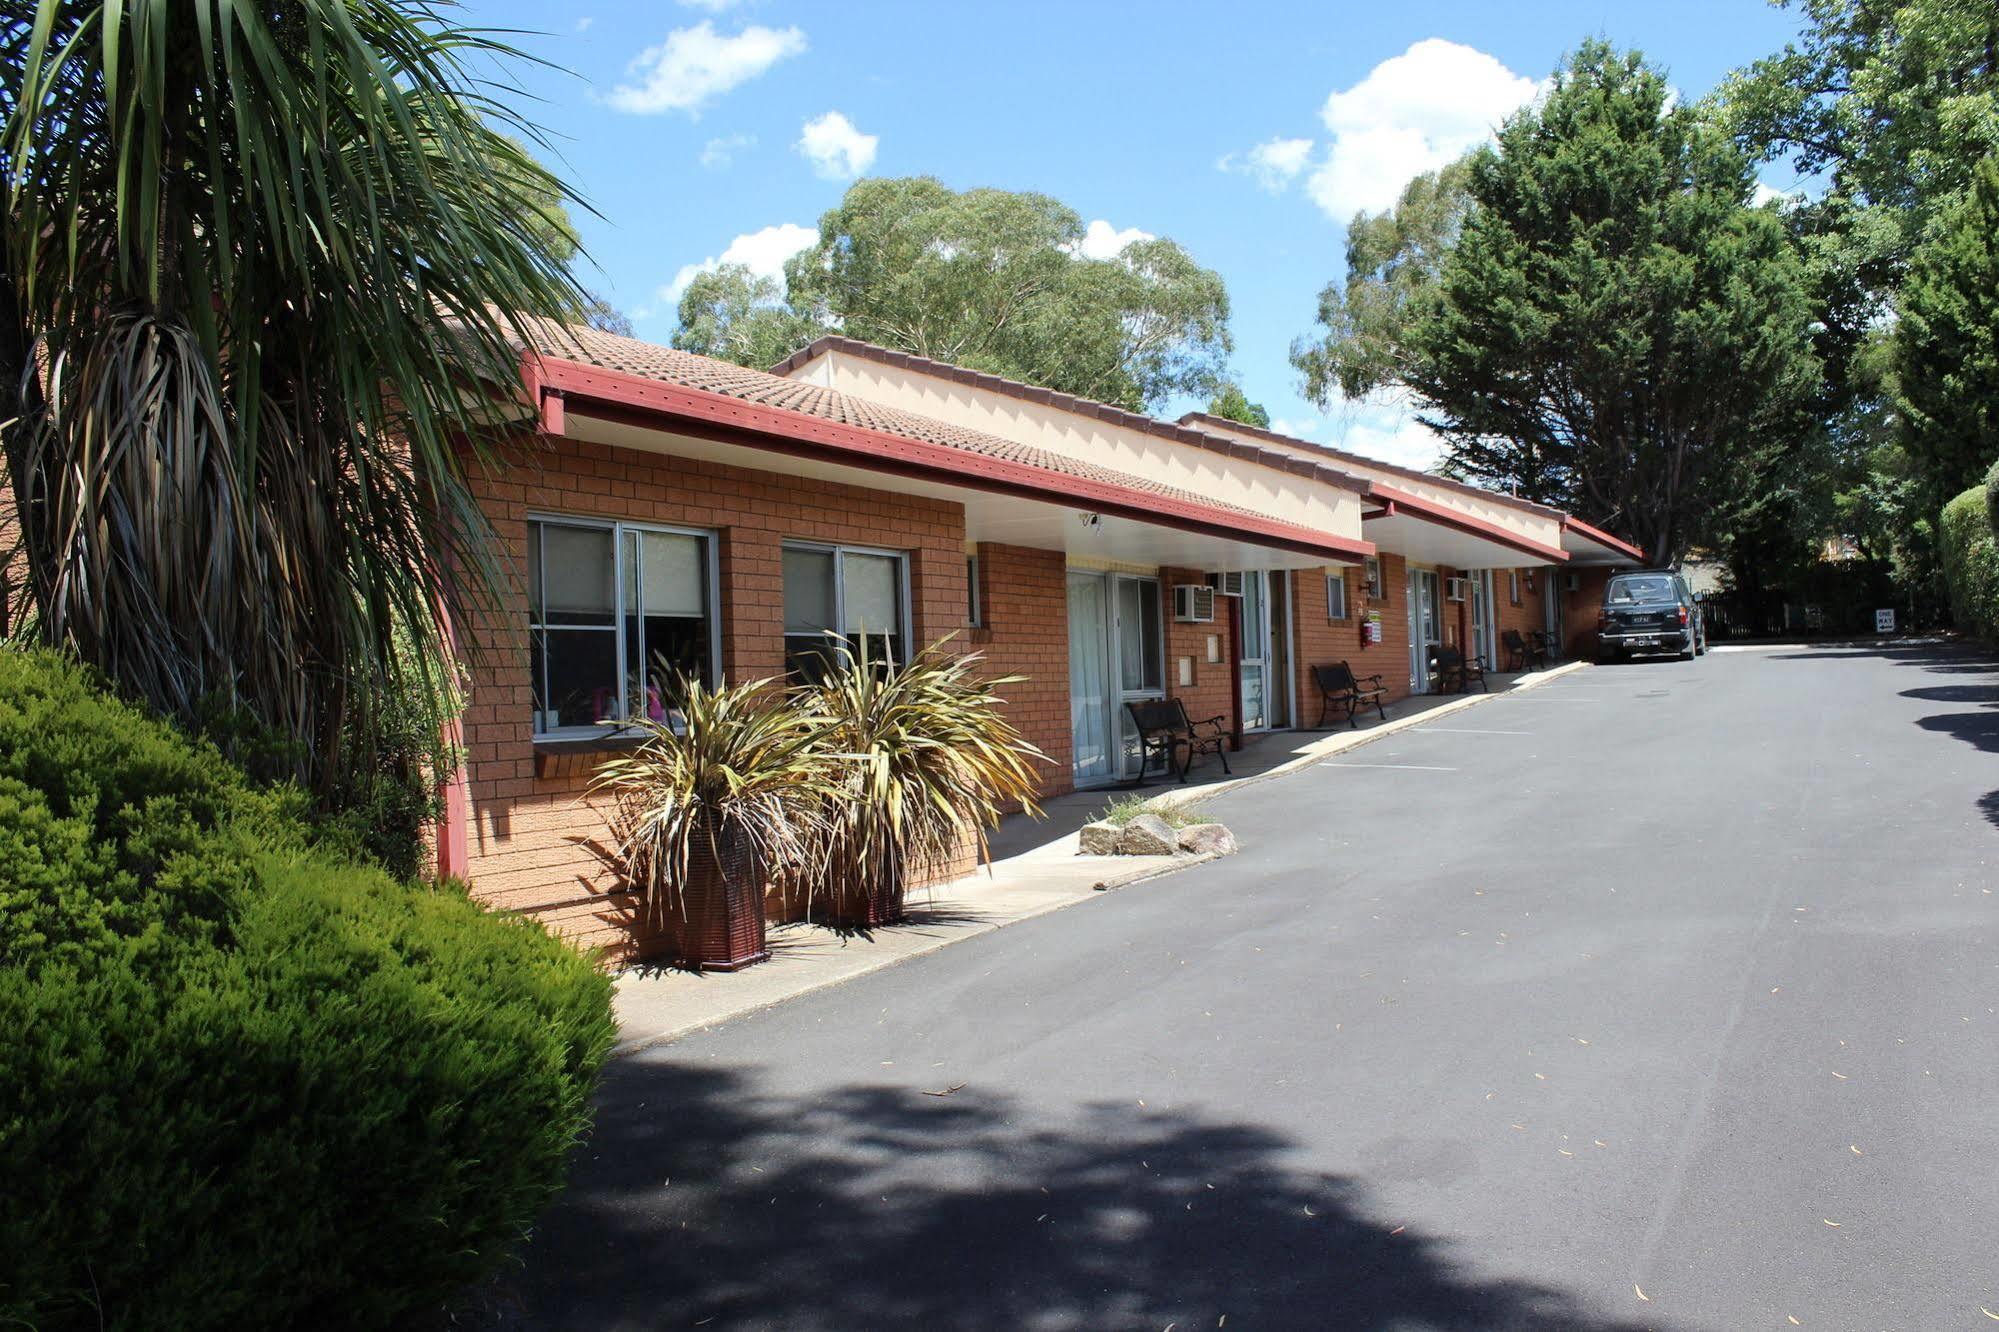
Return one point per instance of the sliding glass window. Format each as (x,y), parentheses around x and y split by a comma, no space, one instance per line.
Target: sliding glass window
(858,595)
(618,615)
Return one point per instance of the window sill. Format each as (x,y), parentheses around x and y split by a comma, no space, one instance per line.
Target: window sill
(569,755)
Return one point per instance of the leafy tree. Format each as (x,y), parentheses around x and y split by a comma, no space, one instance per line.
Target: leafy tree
(735,315)
(998,281)
(548,220)
(1894,103)
(1230,404)
(1615,330)
(250,259)
(1393,258)
(1947,343)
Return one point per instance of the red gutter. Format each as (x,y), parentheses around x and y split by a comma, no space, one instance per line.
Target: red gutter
(559,387)
(1603,538)
(1400,503)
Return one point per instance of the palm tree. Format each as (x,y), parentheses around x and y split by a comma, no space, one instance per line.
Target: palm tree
(261,263)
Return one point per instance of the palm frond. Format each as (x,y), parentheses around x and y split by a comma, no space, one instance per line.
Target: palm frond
(260,284)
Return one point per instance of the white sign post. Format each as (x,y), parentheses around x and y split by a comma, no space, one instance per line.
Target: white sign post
(1884,621)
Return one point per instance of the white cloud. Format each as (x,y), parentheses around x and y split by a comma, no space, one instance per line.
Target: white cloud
(583,24)
(1273,164)
(1412,113)
(722,151)
(835,148)
(763,252)
(693,66)
(1101,240)
(1769,194)
(1387,432)
(712,6)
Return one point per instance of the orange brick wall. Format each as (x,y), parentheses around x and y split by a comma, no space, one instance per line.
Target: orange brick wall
(1213,692)
(1024,603)
(1321,641)
(1525,617)
(537,844)
(1579,612)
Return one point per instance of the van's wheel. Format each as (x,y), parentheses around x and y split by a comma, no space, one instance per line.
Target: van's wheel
(1691,650)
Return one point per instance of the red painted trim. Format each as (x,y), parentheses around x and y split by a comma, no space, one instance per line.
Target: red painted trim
(454,840)
(1605,539)
(637,400)
(1228,445)
(1411,506)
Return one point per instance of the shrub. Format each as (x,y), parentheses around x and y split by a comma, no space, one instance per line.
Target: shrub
(247,1082)
(1970,556)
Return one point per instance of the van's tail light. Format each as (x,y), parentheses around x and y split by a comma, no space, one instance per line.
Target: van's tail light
(1683,617)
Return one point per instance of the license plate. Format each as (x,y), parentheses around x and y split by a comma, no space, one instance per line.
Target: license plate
(1644,640)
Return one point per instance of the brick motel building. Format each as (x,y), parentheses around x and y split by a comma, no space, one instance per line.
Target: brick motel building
(672,508)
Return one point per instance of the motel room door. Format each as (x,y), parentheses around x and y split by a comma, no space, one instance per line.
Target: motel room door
(1116,656)
(1090,720)
(1266,650)
(1426,632)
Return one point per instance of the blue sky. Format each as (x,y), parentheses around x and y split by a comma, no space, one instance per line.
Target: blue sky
(701,129)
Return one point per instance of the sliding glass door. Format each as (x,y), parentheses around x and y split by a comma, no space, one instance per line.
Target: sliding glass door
(1116,655)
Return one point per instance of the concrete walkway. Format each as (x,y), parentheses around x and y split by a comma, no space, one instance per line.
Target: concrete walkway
(1035,870)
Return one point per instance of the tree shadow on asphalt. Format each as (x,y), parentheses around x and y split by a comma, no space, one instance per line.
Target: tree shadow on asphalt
(700,1201)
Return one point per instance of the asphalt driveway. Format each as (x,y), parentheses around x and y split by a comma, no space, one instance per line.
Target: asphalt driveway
(1660,997)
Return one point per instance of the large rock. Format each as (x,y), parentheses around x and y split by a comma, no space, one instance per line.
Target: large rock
(1207,839)
(1100,838)
(1147,835)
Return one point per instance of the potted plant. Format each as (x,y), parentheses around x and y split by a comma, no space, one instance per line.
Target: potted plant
(709,804)
(922,760)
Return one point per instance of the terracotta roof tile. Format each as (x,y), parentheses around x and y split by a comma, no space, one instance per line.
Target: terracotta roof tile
(1362,460)
(1180,431)
(650,361)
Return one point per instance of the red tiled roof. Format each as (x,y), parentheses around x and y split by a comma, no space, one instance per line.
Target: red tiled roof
(650,361)
(1464,487)
(1069,402)
(571,363)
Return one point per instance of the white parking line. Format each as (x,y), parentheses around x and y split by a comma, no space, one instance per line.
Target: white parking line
(1466,730)
(1405,767)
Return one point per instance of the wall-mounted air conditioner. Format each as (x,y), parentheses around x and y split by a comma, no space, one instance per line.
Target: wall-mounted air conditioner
(1193,603)
(1228,584)
(1454,589)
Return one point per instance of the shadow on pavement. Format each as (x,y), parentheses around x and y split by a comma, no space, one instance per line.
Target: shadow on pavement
(700,1201)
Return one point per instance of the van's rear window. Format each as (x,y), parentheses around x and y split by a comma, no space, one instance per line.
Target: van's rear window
(1624,590)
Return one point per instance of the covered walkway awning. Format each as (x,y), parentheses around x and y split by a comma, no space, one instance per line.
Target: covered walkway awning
(1426,532)
(1593,546)
(1011,492)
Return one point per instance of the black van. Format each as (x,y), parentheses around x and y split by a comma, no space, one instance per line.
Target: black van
(1650,610)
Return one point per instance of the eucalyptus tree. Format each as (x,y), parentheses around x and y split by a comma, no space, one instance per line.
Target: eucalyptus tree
(1392,261)
(997,280)
(262,262)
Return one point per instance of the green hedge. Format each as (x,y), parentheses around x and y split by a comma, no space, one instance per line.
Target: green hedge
(1970,555)
(244,1081)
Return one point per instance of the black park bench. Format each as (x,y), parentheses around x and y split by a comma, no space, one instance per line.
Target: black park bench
(1340,688)
(1456,673)
(1165,733)
(1524,656)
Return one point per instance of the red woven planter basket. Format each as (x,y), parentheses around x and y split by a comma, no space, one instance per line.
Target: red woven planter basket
(720,924)
(866,902)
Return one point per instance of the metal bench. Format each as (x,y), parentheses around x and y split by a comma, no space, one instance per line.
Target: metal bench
(1340,688)
(1165,733)
(1522,655)
(1456,673)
